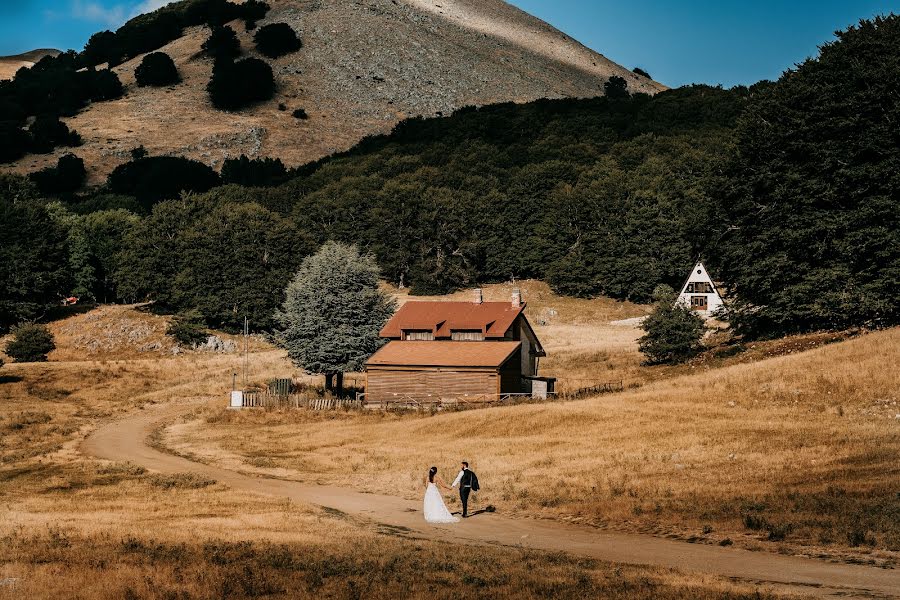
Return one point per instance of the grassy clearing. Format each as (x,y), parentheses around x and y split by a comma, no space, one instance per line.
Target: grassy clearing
(75,527)
(796,450)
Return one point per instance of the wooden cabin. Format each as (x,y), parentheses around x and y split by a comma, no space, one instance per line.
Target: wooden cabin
(444,350)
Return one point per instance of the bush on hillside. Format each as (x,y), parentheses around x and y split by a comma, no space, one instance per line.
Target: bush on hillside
(153,30)
(257,172)
(237,85)
(810,210)
(277,39)
(157,69)
(105,85)
(30,343)
(188,328)
(222,43)
(616,88)
(47,132)
(641,72)
(674,334)
(14,141)
(155,178)
(66,177)
(300,114)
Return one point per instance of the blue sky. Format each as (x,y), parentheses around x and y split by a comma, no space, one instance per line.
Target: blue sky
(724,42)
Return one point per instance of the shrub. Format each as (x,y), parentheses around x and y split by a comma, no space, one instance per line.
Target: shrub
(616,88)
(156,178)
(66,177)
(257,172)
(277,39)
(641,72)
(48,131)
(157,69)
(234,86)
(188,328)
(222,43)
(300,114)
(30,343)
(14,141)
(673,334)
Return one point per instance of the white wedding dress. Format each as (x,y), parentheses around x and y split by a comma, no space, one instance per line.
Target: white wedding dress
(435,510)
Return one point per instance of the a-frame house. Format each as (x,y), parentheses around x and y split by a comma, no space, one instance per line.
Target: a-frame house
(699,292)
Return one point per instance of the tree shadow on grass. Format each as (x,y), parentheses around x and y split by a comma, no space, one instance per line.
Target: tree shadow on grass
(10,379)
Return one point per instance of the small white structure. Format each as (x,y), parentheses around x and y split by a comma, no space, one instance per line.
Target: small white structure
(699,292)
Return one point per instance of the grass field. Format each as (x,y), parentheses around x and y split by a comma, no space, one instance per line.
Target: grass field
(77,527)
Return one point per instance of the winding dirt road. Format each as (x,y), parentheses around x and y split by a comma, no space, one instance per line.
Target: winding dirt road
(125,440)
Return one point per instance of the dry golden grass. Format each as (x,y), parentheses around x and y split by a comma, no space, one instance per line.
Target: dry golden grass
(796,450)
(77,527)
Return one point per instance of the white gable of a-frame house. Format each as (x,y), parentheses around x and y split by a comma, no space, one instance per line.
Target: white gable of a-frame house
(699,292)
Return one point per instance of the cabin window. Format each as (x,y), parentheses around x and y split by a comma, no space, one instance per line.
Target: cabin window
(699,287)
(418,335)
(467,335)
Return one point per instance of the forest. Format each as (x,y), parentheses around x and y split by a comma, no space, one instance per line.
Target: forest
(788,190)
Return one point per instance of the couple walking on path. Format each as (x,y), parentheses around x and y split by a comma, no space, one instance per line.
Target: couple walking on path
(434,508)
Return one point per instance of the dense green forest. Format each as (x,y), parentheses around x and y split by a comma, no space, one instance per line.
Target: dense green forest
(789,191)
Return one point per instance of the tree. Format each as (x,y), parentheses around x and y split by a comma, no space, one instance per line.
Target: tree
(188,328)
(333,313)
(277,39)
(33,255)
(641,72)
(66,177)
(616,88)
(47,132)
(30,343)
(673,333)
(236,260)
(256,172)
(222,43)
(157,69)
(809,208)
(155,178)
(234,86)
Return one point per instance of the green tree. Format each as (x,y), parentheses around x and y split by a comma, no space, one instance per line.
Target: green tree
(236,261)
(673,334)
(809,208)
(277,39)
(222,43)
(30,343)
(237,85)
(333,313)
(33,254)
(157,69)
(188,328)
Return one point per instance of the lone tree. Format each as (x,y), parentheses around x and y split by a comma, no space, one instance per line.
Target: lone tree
(673,332)
(277,39)
(222,43)
(30,343)
(157,69)
(333,313)
(234,86)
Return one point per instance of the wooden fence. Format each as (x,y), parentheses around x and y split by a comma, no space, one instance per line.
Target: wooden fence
(593,389)
(307,401)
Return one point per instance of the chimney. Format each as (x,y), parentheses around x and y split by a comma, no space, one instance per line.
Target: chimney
(516,298)
(479,297)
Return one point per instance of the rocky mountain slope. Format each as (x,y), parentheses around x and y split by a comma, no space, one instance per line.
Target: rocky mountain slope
(365,65)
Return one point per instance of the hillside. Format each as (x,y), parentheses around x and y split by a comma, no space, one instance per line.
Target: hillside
(427,58)
(10,64)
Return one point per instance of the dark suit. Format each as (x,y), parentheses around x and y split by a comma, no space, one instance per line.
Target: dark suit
(465,488)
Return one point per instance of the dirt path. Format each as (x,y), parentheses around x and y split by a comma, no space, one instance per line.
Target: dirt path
(125,440)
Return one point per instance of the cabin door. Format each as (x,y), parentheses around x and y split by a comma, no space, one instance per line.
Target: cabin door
(699,303)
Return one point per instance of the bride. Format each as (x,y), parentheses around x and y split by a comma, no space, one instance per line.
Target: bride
(435,510)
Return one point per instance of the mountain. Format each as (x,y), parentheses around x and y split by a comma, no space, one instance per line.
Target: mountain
(364,66)
(10,64)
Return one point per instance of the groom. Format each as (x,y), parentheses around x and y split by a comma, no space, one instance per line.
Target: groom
(467,482)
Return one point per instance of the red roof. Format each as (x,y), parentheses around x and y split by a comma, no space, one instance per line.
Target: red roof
(443,354)
(491,318)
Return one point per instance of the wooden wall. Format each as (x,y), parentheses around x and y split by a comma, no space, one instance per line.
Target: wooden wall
(384,384)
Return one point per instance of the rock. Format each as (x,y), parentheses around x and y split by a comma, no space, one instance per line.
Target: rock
(216,344)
